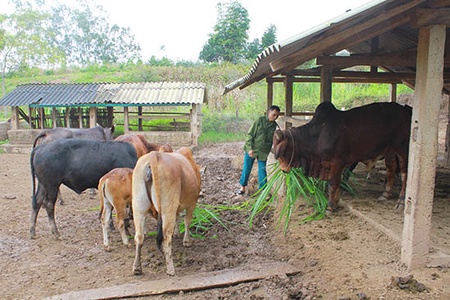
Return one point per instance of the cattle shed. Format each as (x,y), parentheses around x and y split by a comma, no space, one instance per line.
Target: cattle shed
(397,42)
(164,112)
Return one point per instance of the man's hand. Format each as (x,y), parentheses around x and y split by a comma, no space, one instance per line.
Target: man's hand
(250,153)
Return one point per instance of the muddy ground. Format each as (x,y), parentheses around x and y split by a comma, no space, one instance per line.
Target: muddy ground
(340,257)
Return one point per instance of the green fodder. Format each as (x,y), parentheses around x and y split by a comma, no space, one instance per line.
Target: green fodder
(298,186)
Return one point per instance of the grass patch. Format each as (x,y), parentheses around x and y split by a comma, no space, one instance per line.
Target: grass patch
(221,137)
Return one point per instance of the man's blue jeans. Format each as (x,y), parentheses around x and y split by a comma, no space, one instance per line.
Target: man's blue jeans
(247,169)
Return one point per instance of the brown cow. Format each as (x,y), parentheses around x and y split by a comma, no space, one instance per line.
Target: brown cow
(334,140)
(115,193)
(141,145)
(164,184)
(114,190)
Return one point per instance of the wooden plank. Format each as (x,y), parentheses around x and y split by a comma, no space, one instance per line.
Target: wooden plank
(193,282)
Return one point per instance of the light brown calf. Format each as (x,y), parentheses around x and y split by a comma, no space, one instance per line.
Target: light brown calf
(164,184)
(114,190)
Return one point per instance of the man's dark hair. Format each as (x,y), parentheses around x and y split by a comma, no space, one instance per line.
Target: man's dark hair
(274,107)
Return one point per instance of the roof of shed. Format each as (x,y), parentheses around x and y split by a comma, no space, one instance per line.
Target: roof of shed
(109,94)
(383,32)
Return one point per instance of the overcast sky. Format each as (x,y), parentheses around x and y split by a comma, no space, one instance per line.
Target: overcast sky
(182,27)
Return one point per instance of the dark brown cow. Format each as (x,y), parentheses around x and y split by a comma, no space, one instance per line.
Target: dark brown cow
(334,140)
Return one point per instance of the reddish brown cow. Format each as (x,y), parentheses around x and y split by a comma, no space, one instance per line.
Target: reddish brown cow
(334,140)
(141,145)
(164,184)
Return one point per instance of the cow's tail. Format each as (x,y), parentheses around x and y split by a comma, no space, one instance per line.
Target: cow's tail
(102,196)
(159,236)
(148,184)
(39,136)
(33,178)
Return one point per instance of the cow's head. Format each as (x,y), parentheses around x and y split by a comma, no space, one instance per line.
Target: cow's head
(109,132)
(282,149)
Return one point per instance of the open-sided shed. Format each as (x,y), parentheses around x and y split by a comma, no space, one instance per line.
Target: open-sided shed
(83,105)
(403,42)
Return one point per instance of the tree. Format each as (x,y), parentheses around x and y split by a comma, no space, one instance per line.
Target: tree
(24,42)
(84,34)
(255,47)
(269,36)
(228,42)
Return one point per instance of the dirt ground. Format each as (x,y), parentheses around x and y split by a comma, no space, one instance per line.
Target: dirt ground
(340,257)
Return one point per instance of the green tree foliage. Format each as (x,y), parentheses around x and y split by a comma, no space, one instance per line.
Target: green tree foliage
(228,42)
(84,34)
(255,47)
(269,36)
(24,42)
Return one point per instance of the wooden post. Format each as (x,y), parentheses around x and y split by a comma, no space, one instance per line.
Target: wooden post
(140,118)
(393,92)
(195,124)
(15,118)
(92,116)
(326,78)
(80,117)
(269,94)
(126,120)
(41,117)
(288,94)
(423,147)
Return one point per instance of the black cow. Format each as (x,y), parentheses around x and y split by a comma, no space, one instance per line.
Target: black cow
(95,133)
(334,140)
(78,164)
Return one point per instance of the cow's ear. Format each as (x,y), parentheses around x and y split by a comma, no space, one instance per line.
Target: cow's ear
(112,128)
(278,135)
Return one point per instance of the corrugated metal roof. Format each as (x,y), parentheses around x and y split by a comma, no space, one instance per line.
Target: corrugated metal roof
(391,21)
(114,94)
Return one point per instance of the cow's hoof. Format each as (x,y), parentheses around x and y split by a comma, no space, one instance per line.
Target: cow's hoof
(137,271)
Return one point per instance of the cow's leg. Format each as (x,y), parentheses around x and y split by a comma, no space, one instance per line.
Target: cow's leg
(92,193)
(403,163)
(187,224)
(36,204)
(139,222)
(391,170)
(141,206)
(50,207)
(106,219)
(121,212)
(60,197)
(334,190)
(169,223)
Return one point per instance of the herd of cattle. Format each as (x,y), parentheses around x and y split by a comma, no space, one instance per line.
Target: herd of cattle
(149,178)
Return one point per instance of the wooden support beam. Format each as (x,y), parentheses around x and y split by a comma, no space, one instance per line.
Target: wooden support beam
(432,16)
(326,84)
(423,147)
(126,120)
(269,94)
(288,94)
(92,117)
(399,60)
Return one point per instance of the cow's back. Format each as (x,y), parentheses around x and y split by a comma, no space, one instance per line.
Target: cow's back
(365,132)
(79,164)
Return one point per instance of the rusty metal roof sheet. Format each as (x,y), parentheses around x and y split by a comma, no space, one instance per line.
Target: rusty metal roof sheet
(110,94)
